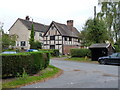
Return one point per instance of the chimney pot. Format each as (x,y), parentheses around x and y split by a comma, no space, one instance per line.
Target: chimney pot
(70,23)
(27,18)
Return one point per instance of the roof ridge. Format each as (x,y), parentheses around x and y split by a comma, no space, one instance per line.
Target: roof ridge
(31,21)
(37,26)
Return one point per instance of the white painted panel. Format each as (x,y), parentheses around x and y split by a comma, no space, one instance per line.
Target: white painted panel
(48,38)
(56,46)
(60,48)
(60,42)
(56,37)
(52,42)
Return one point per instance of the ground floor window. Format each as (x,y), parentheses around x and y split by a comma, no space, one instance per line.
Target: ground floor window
(52,46)
(23,43)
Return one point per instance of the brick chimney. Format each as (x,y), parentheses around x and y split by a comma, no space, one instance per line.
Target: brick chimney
(27,18)
(70,23)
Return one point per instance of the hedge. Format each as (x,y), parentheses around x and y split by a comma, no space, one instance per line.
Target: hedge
(31,62)
(80,52)
(53,52)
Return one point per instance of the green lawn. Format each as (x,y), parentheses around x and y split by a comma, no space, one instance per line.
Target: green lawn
(81,59)
(48,72)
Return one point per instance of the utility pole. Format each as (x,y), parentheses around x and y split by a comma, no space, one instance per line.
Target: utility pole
(119,16)
(94,12)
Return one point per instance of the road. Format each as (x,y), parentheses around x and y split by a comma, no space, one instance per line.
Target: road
(81,75)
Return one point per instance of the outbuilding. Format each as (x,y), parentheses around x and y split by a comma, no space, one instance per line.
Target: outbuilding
(100,50)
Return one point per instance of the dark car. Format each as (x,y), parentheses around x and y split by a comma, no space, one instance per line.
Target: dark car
(111,59)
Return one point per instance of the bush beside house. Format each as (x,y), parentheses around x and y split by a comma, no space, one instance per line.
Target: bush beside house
(14,64)
(80,53)
(53,52)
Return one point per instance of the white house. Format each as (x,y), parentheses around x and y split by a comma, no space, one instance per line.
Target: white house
(22,28)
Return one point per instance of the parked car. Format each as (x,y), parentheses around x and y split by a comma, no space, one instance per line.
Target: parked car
(32,50)
(111,59)
(9,52)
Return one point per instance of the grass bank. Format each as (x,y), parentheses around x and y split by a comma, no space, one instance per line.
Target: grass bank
(48,73)
(79,59)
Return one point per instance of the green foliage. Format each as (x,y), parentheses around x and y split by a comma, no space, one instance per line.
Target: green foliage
(36,45)
(8,40)
(117,46)
(31,41)
(80,53)
(53,52)
(109,13)
(94,32)
(23,76)
(32,62)
(46,73)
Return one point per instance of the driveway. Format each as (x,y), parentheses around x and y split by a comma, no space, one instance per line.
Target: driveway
(81,75)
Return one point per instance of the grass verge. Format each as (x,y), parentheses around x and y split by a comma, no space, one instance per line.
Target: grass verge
(85,59)
(48,73)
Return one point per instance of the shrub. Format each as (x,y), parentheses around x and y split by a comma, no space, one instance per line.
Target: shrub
(32,62)
(117,49)
(80,52)
(53,52)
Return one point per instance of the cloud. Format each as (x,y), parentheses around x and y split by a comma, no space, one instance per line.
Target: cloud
(45,11)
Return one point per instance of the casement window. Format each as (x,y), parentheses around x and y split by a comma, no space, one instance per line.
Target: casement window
(40,34)
(17,43)
(52,37)
(70,39)
(23,43)
(65,38)
(52,46)
(34,33)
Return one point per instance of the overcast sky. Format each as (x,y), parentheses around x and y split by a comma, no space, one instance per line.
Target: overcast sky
(46,11)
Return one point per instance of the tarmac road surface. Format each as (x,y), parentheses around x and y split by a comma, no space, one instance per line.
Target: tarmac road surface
(81,75)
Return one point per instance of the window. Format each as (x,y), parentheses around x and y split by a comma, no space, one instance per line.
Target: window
(70,39)
(65,38)
(34,33)
(22,43)
(17,43)
(52,46)
(40,34)
(52,37)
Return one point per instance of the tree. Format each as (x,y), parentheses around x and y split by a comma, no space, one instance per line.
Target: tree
(34,44)
(37,45)
(8,40)
(94,32)
(110,13)
(31,41)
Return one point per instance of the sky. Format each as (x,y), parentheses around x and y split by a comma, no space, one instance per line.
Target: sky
(46,11)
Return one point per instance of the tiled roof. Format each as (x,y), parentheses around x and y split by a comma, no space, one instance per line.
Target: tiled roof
(100,45)
(37,26)
(66,30)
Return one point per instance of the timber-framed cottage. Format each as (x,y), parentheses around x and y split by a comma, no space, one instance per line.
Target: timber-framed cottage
(62,37)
